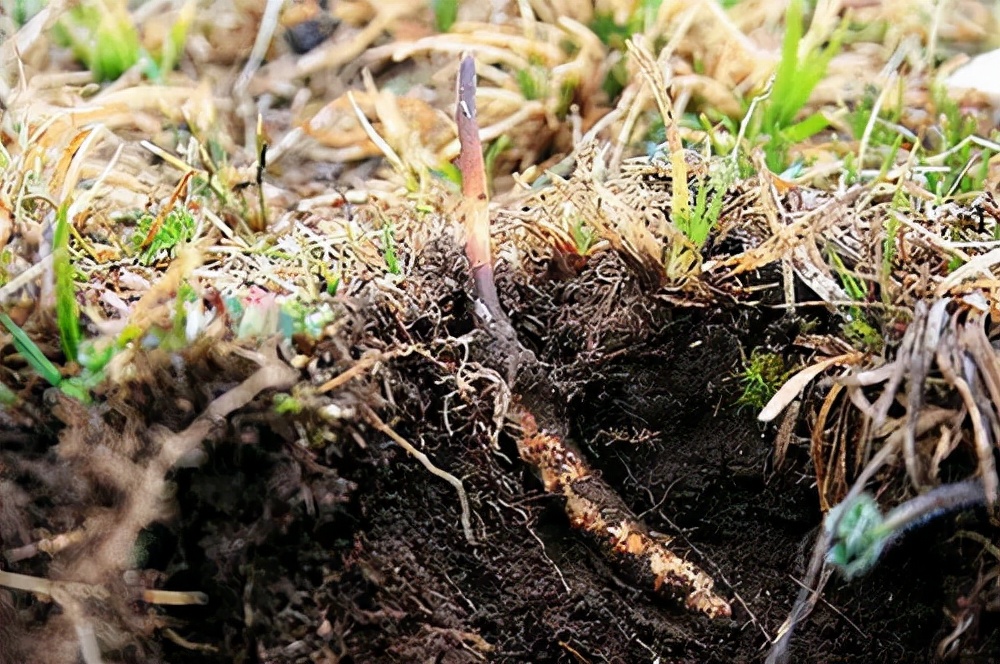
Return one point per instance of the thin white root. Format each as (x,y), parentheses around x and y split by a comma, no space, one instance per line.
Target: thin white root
(377,422)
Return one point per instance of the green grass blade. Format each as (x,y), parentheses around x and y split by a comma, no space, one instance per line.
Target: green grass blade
(31,352)
(67,312)
(806,129)
(7,397)
(782,108)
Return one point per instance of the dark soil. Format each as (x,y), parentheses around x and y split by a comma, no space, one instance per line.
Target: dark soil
(323,541)
(354,553)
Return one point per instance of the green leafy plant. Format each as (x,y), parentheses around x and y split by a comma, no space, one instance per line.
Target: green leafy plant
(859,533)
(176,226)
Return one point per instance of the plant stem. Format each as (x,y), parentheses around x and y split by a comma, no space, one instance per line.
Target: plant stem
(934,503)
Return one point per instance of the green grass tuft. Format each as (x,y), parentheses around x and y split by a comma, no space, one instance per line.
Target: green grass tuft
(794,81)
(762,375)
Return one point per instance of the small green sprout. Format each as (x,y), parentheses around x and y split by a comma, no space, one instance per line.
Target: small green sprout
(858,119)
(532,82)
(330,279)
(7,397)
(493,153)
(22,11)
(614,35)
(449,173)
(964,155)
(857,328)
(389,250)
(567,91)
(6,258)
(862,334)
(859,533)
(286,404)
(583,237)
(173,46)
(105,39)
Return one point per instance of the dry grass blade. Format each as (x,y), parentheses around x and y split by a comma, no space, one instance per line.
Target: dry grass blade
(950,362)
(927,325)
(794,385)
(391,155)
(810,226)
(154,228)
(976,265)
(829,483)
(653,76)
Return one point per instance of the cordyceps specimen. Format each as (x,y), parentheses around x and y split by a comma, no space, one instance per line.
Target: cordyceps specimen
(591,504)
